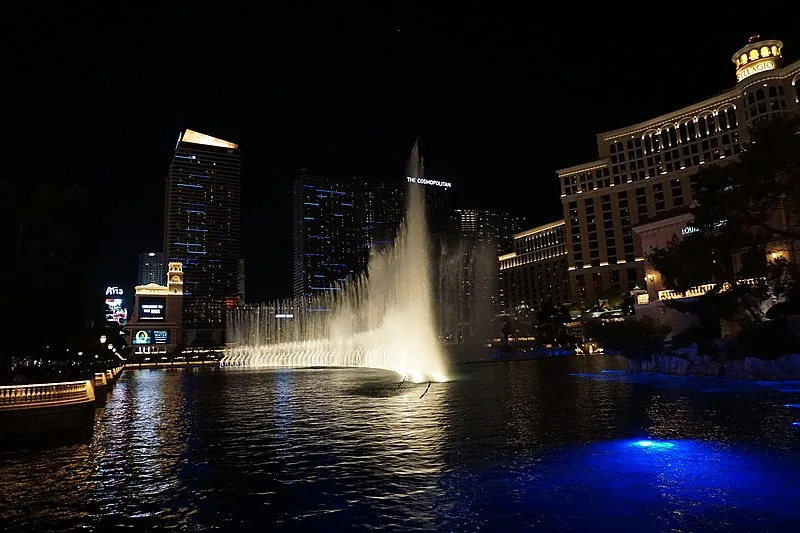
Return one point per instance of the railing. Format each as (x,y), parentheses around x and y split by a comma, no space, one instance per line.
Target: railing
(702,289)
(46,394)
(100,380)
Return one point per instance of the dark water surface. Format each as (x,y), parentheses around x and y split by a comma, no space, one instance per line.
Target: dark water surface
(554,444)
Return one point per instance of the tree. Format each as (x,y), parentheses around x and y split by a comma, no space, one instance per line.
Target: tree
(758,194)
(46,303)
(613,297)
(550,320)
(635,339)
(741,206)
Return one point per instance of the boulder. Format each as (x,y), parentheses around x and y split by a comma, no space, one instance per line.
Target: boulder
(714,369)
(754,368)
(773,371)
(634,365)
(645,365)
(700,368)
(728,370)
(680,366)
(671,363)
(739,370)
(790,364)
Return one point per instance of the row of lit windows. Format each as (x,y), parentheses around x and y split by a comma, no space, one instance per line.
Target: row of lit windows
(539,240)
(531,257)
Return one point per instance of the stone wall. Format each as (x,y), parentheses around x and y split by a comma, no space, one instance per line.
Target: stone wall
(785,367)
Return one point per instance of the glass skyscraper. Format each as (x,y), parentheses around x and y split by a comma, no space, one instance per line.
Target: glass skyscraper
(337,222)
(152,268)
(202,231)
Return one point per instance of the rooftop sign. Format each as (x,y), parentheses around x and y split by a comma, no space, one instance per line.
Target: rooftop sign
(425,181)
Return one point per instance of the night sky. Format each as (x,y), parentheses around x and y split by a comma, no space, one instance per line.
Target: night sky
(500,99)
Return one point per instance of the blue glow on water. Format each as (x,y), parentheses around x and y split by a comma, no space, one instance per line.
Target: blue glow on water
(642,485)
(796,423)
(790,390)
(654,445)
(792,405)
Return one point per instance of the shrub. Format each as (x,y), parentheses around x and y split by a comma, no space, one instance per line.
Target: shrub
(635,339)
(768,340)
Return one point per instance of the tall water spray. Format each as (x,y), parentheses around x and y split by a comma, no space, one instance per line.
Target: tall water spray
(380,319)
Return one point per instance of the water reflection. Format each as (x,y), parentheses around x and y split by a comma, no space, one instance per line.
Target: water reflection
(502,447)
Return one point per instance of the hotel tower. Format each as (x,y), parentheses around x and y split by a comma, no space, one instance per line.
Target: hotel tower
(647,169)
(202,231)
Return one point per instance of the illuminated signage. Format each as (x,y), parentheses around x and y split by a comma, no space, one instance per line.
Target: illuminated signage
(115,307)
(762,65)
(688,229)
(691,229)
(152,308)
(151,336)
(425,181)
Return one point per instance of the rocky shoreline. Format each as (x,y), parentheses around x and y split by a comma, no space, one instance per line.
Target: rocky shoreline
(692,364)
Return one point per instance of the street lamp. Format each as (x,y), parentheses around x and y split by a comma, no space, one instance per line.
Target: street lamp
(102,339)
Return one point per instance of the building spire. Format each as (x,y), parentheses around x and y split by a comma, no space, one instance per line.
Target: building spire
(416,163)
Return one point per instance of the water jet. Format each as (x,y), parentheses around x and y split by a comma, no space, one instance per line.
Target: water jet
(380,319)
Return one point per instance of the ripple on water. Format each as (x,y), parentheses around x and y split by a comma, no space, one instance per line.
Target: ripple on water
(502,448)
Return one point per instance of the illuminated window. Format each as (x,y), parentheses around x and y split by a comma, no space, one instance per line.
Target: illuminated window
(732,122)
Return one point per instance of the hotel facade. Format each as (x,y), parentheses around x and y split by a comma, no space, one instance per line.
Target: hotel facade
(646,170)
(535,272)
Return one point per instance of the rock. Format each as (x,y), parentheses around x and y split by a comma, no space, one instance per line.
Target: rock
(634,365)
(680,366)
(738,370)
(754,368)
(692,350)
(714,369)
(791,364)
(669,363)
(654,366)
(773,371)
(706,359)
(728,370)
(645,365)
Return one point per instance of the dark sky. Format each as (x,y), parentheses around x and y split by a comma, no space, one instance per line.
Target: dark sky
(501,99)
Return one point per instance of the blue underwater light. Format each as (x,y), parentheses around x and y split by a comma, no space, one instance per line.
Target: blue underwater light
(654,444)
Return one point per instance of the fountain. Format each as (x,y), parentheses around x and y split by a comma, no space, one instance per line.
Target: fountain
(381,319)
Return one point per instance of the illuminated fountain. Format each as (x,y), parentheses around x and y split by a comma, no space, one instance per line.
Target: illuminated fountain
(382,319)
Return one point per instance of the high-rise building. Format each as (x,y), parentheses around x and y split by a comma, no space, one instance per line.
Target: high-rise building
(337,224)
(535,272)
(152,268)
(469,273)
(327,238)
(647,169)
(202,231)
(240,281)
